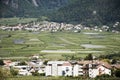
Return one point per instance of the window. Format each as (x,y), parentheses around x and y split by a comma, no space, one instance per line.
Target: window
(67,69)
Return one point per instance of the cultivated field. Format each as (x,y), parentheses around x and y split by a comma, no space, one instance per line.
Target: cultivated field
(15,21)
(53,45)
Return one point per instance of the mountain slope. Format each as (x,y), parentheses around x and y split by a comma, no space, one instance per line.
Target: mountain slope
(95,12)
(88,12)
(29,8)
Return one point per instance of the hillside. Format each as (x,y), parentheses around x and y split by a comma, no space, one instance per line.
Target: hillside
(29,8)
(97,12)
(86,12)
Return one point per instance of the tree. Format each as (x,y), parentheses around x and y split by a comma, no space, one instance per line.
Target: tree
(89,57)
(35,73)
(114,61)
(45,62)
(1,63)
(22,63)
(117,73)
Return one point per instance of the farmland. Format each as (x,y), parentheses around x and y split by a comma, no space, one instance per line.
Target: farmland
(15,21)
(48,45)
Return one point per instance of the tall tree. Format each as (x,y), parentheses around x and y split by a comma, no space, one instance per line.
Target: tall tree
(1,63)
(89,57)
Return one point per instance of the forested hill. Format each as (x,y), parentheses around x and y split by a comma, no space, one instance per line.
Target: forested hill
(29,8)
(89,12)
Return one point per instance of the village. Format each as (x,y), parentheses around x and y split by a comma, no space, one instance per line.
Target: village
(88,68)
(54,27)
(74,68)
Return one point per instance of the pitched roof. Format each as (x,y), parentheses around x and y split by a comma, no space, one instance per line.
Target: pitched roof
(105,64)
(55,62)
(66,64)
(117,66)
(96,64)
(84,62)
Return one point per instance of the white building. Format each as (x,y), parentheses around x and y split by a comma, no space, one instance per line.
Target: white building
(23,70)
(99,69)
(77,70)
(58,68)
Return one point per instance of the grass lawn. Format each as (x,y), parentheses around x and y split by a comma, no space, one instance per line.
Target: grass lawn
(58,78)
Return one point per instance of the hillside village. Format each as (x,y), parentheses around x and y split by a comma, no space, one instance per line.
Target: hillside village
(54,27)
(88,68)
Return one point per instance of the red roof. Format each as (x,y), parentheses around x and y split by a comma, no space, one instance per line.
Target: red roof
(66,64)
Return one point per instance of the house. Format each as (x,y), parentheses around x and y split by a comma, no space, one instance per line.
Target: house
(91,68)
(37,65)
(67,69)
(23,70)
(99,68)
(41,69)
(116,66)
(81,68)
(7,62)
(58,68)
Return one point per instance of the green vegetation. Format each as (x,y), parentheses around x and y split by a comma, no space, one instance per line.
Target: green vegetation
(15,21)
(49,45)
(114,56)
(117,73)
(13,72)
(4,74)
(27,8)
(89,12)
(89,57)
(1,62)
(61,78)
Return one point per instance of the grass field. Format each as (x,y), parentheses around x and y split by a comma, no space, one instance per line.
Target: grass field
(15,21)
(59,78)
(24,43)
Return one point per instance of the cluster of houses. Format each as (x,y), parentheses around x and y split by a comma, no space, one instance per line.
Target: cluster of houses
(63,68)
(43,26)
(80,68)
(54,27)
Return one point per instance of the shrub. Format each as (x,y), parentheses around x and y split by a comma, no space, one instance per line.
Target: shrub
(42,74)
(117,73)
(22,63)
(4,74)
(103,76)
(13,72)
(1,63)
(35,73)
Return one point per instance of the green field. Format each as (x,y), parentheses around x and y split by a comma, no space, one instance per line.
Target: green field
(54,45)
(15,21)
(59,78)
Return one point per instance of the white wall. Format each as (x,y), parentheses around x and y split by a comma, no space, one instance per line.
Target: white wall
(48,71)
(69,72)
(93,73)
(60,70)
(75,70)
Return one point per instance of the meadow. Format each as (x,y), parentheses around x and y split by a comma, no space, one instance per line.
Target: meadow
(53,46)
(60,78)
(15,21)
